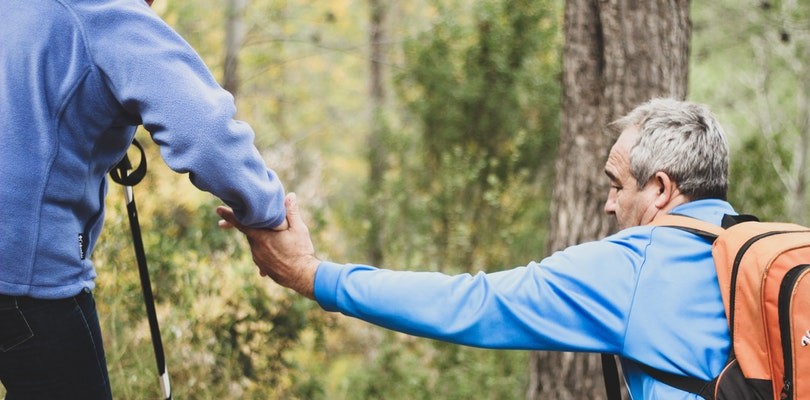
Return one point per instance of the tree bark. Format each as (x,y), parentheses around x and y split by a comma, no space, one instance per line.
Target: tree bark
(617,54)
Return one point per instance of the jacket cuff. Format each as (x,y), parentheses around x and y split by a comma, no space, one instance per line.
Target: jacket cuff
(325,287)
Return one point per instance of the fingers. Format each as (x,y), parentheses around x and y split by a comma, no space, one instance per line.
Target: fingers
(288,256)
(228,219)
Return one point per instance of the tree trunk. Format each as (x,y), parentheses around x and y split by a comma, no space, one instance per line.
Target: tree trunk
(376,140)
(792,39)
(234,36)
(617,54)
(801,160)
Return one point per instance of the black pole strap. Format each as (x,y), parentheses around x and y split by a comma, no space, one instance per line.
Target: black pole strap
(120,174)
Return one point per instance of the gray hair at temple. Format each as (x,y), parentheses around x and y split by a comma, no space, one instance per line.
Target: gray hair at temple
(682,139)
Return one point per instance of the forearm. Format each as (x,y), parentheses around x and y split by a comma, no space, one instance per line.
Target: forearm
(464,309)
(157,77)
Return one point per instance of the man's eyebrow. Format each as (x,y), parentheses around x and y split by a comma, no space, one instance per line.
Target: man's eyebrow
(610,175)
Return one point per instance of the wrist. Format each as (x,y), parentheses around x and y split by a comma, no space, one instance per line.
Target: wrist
(305,284)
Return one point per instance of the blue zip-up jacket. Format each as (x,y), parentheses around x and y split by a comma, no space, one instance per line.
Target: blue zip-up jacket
(649,294)
(76,78)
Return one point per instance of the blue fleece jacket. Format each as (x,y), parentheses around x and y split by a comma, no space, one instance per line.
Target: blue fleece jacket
(76,78)
(649,294)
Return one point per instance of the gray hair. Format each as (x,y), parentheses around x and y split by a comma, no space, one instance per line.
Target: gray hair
(683,140)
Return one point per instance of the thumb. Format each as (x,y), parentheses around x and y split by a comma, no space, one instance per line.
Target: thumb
(293,214)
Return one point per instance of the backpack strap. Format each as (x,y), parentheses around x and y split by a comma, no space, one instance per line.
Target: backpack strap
(731,220)
(610,373)
(709,232)
(704,389)
(704,229)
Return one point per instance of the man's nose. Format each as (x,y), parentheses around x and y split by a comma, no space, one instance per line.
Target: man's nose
(610,204)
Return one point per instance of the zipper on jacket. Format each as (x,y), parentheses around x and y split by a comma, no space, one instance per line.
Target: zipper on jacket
(785,296)
(84,235)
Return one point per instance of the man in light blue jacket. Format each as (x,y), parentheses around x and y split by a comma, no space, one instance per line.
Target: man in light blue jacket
(76,78)
(648,294)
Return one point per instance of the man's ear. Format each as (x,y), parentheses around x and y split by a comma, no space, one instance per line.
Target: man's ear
(666,189)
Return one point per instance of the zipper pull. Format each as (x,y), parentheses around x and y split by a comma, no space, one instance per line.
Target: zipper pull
(785,390)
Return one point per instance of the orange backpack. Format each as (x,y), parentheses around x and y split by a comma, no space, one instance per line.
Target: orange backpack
(763,269)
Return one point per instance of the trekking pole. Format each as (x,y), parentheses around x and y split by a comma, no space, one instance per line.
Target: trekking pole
(121,175)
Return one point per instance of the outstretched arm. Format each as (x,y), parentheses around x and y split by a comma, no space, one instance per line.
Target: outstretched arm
(287,256)
(575,300)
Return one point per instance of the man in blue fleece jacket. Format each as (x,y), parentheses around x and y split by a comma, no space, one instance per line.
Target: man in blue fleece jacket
(648,294)
(76,78)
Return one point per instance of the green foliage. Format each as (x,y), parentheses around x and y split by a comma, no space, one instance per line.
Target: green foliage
(485,93)
(468,184)
(226,332)
(762,101)
(416,369)
(470,163)
(756,185)
(470,157)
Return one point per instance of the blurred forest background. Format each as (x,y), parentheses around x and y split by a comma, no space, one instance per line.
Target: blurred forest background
(419,134)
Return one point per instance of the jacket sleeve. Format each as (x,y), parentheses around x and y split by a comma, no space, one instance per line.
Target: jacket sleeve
(575,300)
(155,75)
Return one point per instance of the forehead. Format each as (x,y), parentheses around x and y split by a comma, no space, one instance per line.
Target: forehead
(618,162)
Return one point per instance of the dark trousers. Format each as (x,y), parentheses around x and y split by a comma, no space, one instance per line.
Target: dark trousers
(52,349)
